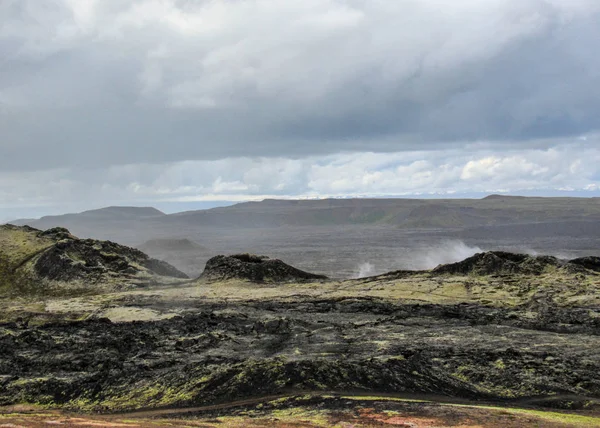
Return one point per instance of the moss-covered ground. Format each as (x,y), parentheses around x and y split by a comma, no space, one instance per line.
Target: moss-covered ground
(527,344)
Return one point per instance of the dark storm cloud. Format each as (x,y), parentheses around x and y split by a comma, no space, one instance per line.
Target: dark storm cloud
(105,83)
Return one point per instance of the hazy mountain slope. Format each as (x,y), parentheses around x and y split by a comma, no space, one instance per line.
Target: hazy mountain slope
(490,210)
(96,223)
(186,255)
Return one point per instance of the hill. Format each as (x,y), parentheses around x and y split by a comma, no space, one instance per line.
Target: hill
(255,268)
(35,262)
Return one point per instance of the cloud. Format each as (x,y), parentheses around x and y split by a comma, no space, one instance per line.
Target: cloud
(100,83)
(169,101)
(569,166)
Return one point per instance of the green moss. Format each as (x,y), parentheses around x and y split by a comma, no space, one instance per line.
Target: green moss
(499,364)
(29,381)
(298,415)
(142,396)
(461,374)
(18,244)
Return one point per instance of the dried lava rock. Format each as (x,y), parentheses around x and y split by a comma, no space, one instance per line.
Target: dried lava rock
(57,233)
(499,263)
(71,258)
(254,268)
(589,262)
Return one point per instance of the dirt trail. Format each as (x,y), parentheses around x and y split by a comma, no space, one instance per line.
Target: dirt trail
(406,410)
(382,397)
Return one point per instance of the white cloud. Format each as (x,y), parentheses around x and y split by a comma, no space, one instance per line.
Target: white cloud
(122,101)
(564,167)
(494,168)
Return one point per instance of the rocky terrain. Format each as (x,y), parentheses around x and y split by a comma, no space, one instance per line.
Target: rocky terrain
(34,261)
(498,329)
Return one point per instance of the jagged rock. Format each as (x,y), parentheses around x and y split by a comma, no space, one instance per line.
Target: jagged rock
(499,263)
(57,233)
(90,259)
(273,325)
(589,262)
(36,262)
(254,268)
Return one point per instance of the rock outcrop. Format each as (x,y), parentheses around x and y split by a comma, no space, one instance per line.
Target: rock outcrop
(254,268)
(87,258)
(499,263)
(57,233)
(589,262)
(55,255)
(505,263)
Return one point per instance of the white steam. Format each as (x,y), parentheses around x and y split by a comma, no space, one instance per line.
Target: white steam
(428,255)
(425,257)
(365,270)
(445,252)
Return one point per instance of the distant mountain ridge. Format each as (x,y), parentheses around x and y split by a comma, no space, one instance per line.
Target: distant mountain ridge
(409,213)
(270,225)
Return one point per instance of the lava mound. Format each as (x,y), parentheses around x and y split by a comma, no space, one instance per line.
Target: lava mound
(57,234)
(254,268)
(499,263)
(589,262)
(71,259)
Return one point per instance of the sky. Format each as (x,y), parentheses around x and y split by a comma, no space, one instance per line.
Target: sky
(196,103)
